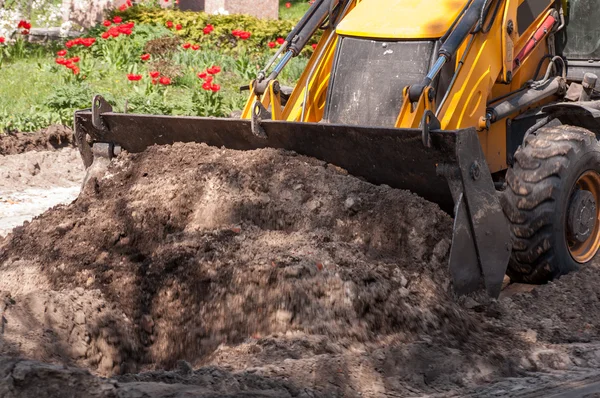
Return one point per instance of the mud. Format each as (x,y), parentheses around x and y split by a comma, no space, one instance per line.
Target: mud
(266,273)
(53,137)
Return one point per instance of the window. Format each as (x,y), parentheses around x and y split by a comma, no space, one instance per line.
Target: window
(583,30)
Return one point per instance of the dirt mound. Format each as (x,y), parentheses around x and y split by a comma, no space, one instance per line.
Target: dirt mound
(263,263)
(53,137)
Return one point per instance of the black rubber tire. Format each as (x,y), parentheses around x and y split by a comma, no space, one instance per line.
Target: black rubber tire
(537,196)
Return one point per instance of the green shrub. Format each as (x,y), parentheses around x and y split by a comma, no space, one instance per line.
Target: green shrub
(66,99)
(193,23)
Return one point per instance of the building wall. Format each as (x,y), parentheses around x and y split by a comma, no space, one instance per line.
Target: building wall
(259,8)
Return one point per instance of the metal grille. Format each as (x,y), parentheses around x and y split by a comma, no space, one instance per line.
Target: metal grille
(368,78)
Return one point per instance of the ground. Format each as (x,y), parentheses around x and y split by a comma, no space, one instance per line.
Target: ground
(196,271)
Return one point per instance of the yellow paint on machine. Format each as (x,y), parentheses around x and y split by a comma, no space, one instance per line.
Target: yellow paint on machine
(410,19)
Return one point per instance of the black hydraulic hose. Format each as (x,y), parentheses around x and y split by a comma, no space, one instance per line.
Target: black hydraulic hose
(451,28)
(462,30)
(484,14)
(450,46)
(302,33)
(307,15)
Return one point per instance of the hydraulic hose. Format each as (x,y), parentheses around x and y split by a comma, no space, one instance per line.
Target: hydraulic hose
(450,46)
(462,30)
(308,25)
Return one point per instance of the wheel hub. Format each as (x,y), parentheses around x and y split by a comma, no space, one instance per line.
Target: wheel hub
(582,215)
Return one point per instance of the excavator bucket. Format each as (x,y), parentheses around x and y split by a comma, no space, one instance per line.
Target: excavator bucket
(446,167)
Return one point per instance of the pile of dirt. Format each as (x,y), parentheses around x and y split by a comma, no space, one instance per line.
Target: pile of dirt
(268,271)
(53,137)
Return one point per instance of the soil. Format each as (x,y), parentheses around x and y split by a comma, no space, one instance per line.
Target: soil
(53,137)
(36,180)
(216,272)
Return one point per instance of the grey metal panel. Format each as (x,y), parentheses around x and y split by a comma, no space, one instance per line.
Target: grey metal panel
(368,78)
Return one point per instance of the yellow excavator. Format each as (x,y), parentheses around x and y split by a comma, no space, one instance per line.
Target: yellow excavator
(486,107)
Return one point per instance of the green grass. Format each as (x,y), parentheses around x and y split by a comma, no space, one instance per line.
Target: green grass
(35,92)
(296,11)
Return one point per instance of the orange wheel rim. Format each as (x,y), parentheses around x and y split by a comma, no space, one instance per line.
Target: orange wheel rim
(582,252)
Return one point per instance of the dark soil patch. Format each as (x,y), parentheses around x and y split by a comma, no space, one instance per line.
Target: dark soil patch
(53,137)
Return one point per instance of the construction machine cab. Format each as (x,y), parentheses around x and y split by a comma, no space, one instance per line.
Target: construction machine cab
(580,41)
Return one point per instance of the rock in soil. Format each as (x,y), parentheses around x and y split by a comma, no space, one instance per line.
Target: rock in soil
(268,273)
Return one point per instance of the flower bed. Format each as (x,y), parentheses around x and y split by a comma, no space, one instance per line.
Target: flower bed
(143,60)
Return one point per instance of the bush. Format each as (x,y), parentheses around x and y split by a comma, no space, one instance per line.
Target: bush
(221,38)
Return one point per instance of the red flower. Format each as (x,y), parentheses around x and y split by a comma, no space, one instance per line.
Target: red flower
(2,40)
(195,47)
(215,87)
(186,45)
(245,35)
(154,74)
(107,23)
(88,42)
(129,25)
(25,25)
(145,57)
(154,81)
(209,79)
(70,65)
(117,19)
(124,30)
(114,32)
(288,4)
(202,75)
(206,86)
(129,4)
(60,61)
(134,78)
(169,24)
(75,70)
(165,81)
(105,35)
(122,7)
(25,32)
(236,32)
(280,40)
(213,70)
(74,59)
(178,27)
(62,53)
(208,28)
(271,44)
(69,44)
(78,41)
(314,46)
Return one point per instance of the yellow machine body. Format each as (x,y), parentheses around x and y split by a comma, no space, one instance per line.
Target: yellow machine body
(487,60)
